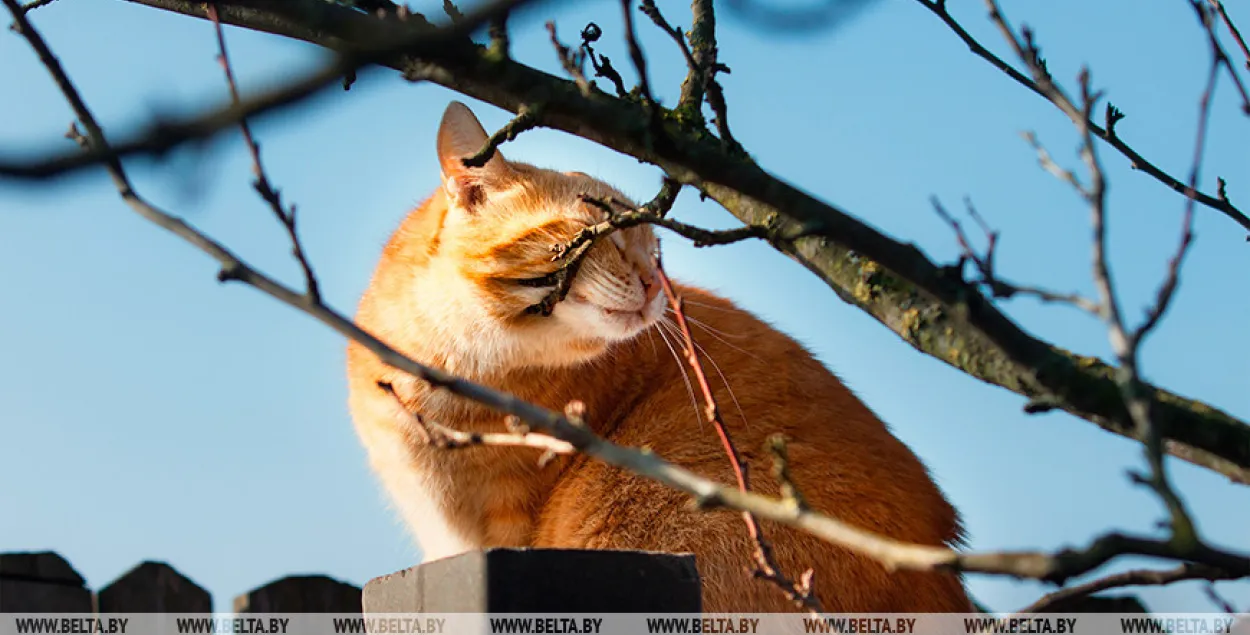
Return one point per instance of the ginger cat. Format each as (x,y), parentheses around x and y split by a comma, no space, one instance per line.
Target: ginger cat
(448,292)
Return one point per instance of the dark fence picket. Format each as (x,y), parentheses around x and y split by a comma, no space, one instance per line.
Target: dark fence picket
(301,594)
(41,582)
(154,587)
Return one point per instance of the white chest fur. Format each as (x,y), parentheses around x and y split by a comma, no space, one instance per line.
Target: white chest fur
(416,496)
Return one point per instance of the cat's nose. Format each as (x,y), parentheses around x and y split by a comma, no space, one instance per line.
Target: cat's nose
(649,287)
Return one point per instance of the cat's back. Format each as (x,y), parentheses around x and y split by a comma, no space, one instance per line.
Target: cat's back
(765,382)
(844,460)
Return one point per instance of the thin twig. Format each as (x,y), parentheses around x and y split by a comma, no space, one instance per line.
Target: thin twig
(1044,159)
(572,62)
(636,56)
(1184,532)
(1136,160)
(526,119)
(600,62)
(165,135)
(1138,577)
(447,438)
(693,77)
(1219,600)
(988,278)
(1206,17)
(1232,29)
(261,183)
(652,213)
(705,53)
(649,105)
(1166,290)
(1124,345)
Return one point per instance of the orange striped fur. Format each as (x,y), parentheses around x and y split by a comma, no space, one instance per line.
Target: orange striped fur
(445,293)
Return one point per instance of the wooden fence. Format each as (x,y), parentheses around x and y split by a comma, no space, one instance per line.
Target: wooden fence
(492,580)
(47,583)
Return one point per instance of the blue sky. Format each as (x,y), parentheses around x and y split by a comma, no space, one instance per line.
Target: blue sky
(147,412)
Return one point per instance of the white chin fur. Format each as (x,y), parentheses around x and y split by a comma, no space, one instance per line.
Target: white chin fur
(592,320)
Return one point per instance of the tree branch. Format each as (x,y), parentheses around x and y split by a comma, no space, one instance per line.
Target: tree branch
(1138,577)
(690,96)
(526,119)
(984,264)
(1206,17)
(446,438)
(261,183)
(1232,29)
(569,428)
(1219,202)
(35,4)
(892,281)
(652,213)
(707,56)
(600,62)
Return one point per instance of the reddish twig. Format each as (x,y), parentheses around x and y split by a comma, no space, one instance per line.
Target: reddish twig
(261,184)
(799,592)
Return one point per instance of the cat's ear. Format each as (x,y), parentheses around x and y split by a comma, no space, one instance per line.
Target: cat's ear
(460,135)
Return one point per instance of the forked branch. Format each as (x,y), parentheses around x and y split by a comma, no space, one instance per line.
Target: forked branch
(1219,202)
(446,438)
(1136,577)
(261,183)
(984,265)
(1125,342)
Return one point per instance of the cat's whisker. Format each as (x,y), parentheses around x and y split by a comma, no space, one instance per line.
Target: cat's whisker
(717,334)
(676,332)
(722,340)
(724,380)
(694,403)
(712,329)
(715,330)
(704,305)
